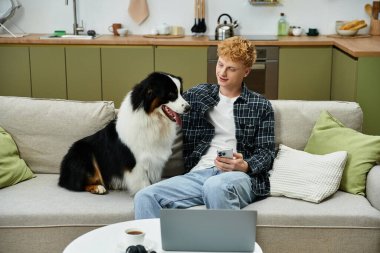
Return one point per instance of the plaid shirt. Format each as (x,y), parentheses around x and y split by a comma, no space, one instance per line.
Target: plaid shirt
(254,123)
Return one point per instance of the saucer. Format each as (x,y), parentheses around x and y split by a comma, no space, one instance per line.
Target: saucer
(148,244)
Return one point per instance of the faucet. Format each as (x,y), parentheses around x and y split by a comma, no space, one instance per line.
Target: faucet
(76,27)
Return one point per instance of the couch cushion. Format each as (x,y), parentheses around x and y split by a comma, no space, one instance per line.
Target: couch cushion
(342,210)
(40,202)
(294,119)
(13,169)
(298,174)
(44,129)
(330,135)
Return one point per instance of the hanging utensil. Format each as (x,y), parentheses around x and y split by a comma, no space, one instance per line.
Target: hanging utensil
(375,9)
(194,29)
(199,14)
(202,23)
(368,9)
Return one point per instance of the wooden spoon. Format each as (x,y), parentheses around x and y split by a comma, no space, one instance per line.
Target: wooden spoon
(368,9)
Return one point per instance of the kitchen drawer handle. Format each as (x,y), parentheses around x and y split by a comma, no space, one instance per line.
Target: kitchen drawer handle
(258,66)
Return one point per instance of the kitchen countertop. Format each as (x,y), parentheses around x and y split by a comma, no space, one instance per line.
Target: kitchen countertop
(356,47)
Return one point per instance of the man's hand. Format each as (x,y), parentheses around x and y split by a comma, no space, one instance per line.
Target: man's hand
(237,163)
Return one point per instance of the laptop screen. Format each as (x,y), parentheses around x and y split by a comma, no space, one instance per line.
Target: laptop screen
(208,230)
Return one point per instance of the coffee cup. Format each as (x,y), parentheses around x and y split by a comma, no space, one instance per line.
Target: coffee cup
(154,31)
(134,236)
(113,28)
(163,29)
(297,31)
(313,32)
(122,32)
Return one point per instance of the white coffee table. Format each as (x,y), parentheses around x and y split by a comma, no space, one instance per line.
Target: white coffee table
(110,238)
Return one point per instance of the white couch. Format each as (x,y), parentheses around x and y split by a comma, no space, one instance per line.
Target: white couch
(38,216)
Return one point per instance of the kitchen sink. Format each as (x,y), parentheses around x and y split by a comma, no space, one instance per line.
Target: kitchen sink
(69,37)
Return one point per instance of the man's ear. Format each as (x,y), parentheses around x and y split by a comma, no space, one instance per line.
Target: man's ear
(247,71)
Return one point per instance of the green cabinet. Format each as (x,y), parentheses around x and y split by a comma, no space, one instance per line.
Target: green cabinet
(83,73)
(357,79)
(305,73)
(48,71)
(15,71)
(123,68)
(188,62)
(51,72)
(93,72)
(343,77)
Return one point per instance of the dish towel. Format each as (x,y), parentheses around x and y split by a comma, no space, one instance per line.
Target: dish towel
(138,10)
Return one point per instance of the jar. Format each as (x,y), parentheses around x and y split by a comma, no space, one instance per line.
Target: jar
(290,31)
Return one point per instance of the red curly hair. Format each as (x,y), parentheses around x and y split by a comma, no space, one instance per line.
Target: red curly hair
(238,49)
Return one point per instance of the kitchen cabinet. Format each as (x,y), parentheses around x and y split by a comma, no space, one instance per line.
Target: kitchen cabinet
(305,73)
(190,63)
(357,79)
(15,71)
(48,71)
(94,72)
(83,73)
(57,72)
(123,68)
(343,77)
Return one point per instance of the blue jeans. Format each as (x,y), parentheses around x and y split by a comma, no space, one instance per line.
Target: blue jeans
(210,187)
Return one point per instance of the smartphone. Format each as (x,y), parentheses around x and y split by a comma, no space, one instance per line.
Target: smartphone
(226,153)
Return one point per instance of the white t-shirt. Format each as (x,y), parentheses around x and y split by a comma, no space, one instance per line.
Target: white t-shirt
(222,118)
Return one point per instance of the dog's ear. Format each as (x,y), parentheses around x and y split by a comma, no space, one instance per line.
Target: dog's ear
(143,95)
(137,96)
(148,101)
(142,92)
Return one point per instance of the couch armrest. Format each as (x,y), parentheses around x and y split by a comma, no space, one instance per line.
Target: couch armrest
(373,187)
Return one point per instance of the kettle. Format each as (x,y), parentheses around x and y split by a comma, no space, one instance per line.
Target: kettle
(225,30)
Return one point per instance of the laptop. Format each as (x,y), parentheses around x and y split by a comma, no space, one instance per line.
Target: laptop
(208,230)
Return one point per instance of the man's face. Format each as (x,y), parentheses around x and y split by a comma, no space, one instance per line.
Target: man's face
(230,73)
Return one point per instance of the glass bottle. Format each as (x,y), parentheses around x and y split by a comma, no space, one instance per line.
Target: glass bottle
(282,25)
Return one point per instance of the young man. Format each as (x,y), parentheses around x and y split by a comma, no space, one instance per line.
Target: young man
(224,115)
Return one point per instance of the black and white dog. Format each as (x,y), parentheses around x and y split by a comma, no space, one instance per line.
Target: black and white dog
(131,151)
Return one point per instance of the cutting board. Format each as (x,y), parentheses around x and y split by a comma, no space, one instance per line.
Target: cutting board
(349,37)
(163,36)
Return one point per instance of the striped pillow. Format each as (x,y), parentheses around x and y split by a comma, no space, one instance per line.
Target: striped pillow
(301,175)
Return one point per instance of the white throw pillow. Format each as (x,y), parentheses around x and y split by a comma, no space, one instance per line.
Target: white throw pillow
(301,175)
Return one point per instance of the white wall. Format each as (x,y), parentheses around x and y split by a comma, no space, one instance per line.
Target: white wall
(45,16)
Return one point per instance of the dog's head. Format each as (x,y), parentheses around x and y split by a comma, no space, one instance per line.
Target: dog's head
(162,93)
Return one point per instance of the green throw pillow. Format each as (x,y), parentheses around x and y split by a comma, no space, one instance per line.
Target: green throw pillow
(330,135)
(12,168)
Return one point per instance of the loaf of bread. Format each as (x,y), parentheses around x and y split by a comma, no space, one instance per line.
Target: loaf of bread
(359,26)
(353,25)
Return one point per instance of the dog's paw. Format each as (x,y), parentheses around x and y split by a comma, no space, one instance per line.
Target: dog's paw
(96,189)
(101,189)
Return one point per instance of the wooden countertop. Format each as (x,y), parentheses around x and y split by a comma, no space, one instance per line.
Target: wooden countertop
(356,47)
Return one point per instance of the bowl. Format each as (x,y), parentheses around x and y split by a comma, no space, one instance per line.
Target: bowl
(347,32)
(297,31)
(122,31)
(339,23)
